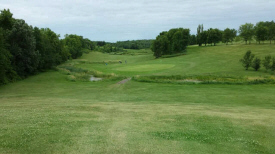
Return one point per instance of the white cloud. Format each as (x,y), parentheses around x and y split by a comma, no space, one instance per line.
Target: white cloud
(114,20)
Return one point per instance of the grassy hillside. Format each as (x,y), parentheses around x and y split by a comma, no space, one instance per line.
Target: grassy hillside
(218,60)
(48,113)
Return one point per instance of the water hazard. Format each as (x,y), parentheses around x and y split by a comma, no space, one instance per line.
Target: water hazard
(95,79)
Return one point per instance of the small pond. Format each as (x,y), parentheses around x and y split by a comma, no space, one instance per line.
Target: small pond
(95,79)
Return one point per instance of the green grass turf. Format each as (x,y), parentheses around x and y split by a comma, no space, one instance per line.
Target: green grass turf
(47,113)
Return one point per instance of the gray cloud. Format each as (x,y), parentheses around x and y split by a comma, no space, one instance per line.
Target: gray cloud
(113,20)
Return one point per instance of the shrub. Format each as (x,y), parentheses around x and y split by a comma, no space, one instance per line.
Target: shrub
(256,64)
(267,62)
(247,59)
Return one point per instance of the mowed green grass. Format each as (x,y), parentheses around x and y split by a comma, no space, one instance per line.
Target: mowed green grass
(47,113)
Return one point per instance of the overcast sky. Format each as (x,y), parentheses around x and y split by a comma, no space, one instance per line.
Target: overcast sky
(117,20)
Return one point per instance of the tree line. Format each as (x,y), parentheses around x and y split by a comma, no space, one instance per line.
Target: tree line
(165,42)
(119,46)
(176,40)
(133,44)
(260,32)
(109,48)
(214,36)
(26,50)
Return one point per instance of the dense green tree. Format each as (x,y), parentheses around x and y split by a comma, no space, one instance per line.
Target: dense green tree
(51,48)
(199,34)
(247,31)
(209,36)
(170,35)
(74,45)
(271,31)
(261,31)
(180,40)
(134,44)
(228,35)
(100,43)
(64,51)
(176,45)
(88,44)
(217,36)
(204,36)
(25,58)
(108,48)
(256,63)
(247,59)
(6,19)
(173,41)
(7,73)
(214,36)
(161,45)
(192,40)
(38,38)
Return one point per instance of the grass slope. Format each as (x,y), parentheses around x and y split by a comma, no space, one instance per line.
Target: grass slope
(218,60)
(47,113)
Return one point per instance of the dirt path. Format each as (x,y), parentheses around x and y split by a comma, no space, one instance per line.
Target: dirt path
(124,81)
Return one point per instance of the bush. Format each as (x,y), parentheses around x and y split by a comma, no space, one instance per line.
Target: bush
(267,62)
(256,64)
(247,59)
